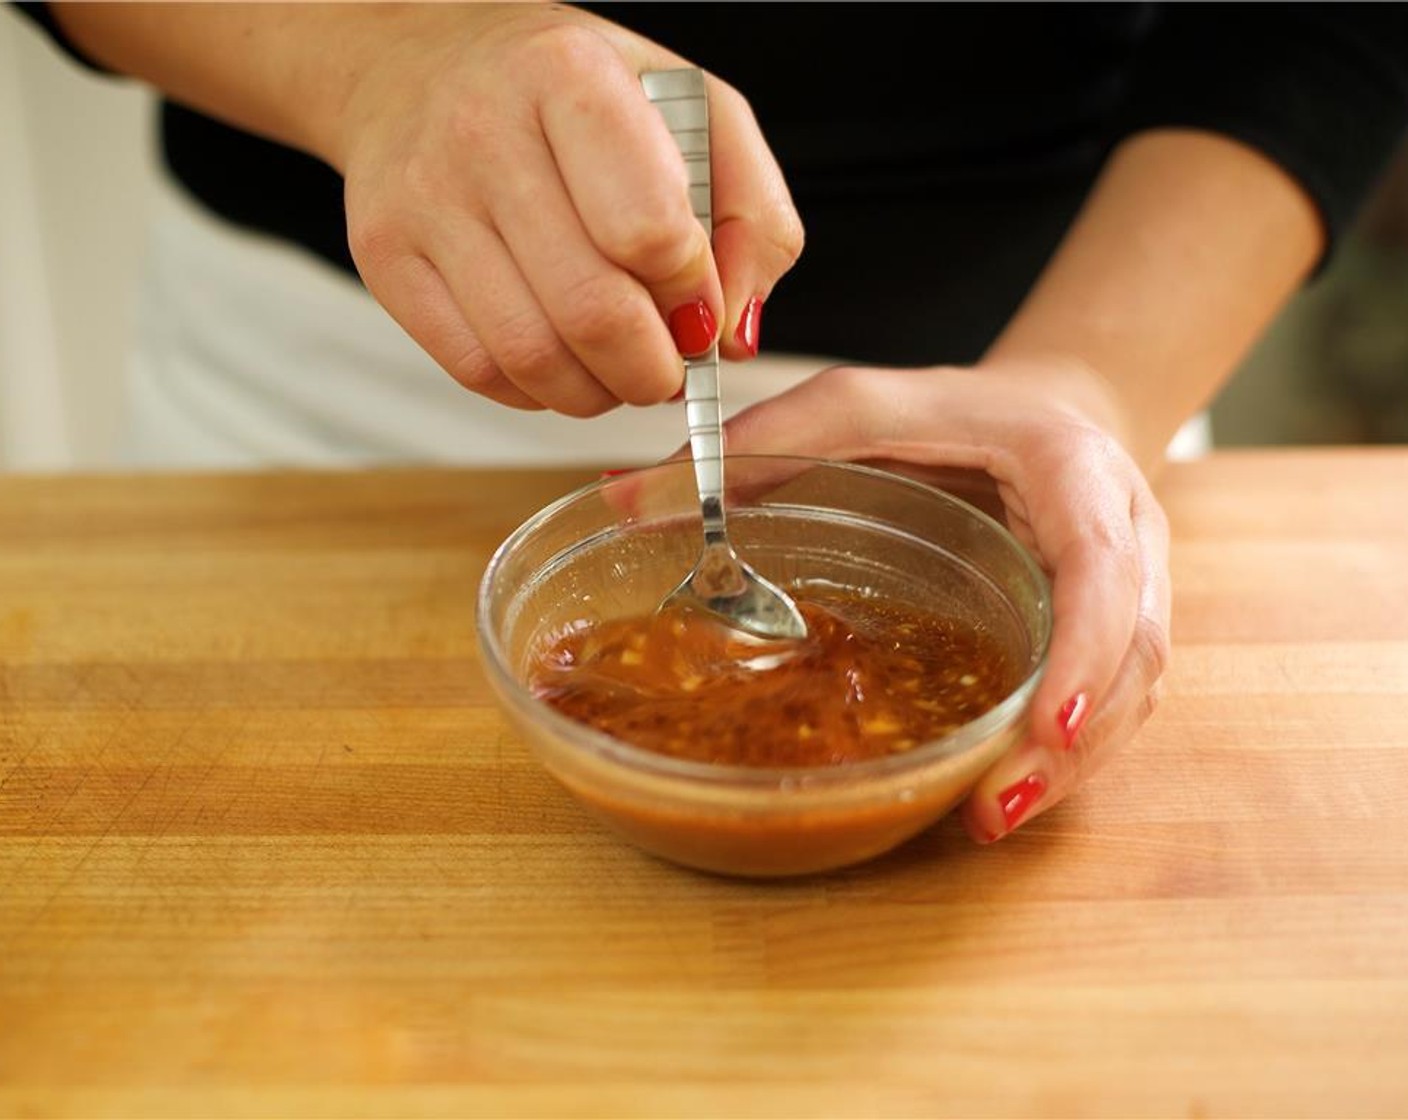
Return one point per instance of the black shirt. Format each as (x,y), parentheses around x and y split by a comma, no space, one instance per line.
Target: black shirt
(937,152)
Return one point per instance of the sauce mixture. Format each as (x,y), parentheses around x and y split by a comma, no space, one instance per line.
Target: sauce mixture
(869,680)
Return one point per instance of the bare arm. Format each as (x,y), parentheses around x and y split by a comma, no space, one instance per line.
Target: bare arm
(247,64)
(1186,250)
(513,200)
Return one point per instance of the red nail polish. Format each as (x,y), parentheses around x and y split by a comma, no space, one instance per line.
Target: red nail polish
(1072,715)
(613,474)
(1017,799)
(693,328)
(749,324)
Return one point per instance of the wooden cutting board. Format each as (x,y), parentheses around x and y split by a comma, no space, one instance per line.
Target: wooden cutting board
(267,848)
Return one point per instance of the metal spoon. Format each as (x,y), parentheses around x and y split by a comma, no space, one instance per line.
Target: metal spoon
(721,581)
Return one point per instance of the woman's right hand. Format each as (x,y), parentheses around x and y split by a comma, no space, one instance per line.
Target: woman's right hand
(517,204)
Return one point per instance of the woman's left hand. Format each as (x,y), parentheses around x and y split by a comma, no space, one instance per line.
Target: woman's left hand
(1068,490)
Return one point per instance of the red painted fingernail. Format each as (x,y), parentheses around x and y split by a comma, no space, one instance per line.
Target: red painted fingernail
(693,328)
(1017,799)
(613,474)
(749,324)
(1072,715)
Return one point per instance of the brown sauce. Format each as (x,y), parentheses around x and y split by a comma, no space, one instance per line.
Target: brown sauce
(869,680)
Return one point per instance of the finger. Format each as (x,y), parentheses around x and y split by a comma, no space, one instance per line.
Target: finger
(1156,601)
(505,315)
(1033,778)
(758,234)
(416,296)
(603,314)
(1109,558)
(1083,526)
(625,177)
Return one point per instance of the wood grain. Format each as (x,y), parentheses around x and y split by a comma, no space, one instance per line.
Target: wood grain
(267,849)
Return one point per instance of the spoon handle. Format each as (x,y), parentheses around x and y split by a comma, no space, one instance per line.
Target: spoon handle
(682,100)
(703,413)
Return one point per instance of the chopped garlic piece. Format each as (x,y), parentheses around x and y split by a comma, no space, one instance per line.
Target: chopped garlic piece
(883,724)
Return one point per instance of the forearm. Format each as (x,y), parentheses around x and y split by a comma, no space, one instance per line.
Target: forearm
(1187,248)
(282,71)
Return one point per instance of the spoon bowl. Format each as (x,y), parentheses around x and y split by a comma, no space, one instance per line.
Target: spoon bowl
(721,582)
(725,586)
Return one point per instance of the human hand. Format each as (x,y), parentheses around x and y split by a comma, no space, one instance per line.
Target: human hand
(1068,491)
(518,206)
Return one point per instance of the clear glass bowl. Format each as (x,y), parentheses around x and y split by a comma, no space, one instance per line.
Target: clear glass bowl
(617,546)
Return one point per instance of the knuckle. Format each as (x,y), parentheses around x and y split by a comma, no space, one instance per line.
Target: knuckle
(653,239)
(1150,702)
(1092,451)
(599,310)
(652,388)
(778,221)
(588,405)
(1141,712)
(528,353)
(860,393)
(374,239)
(843,383)
(419,178)
(1104,534)
(472,126)
(786,235)
(563,51)
(1109,544)
(474,369)
(1114,538)
(1158,519)
(728,99)
(1152,647)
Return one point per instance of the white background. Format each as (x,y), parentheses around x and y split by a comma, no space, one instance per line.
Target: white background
(75,171)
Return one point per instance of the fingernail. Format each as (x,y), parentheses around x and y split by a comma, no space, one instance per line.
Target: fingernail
(1017,799)
(693,328)
(1072,715)
(749,325)
(613,474)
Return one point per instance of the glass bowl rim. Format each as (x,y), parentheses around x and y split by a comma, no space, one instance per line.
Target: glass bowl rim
(653,763)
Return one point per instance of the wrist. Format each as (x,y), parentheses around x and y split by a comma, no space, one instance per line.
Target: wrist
(367,67)
(1070,384)
(396,59)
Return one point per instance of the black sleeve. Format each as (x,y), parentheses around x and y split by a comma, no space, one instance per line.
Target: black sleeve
(1321,88)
